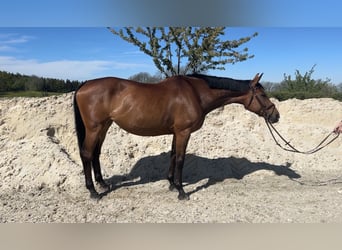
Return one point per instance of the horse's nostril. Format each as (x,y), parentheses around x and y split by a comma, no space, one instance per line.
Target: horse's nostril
(277,118)
(274,119)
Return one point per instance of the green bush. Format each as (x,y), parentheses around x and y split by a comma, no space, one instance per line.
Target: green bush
(284,95)
(303,86)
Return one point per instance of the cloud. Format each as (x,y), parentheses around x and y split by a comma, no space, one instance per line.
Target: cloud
(8,42)
(17,40)
(13,52)
(67,69)
(6,48)
(134,52)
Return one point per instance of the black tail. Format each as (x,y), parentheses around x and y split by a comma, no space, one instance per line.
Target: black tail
(80,129)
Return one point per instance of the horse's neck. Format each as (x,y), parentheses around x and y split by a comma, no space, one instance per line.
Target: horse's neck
(220,97)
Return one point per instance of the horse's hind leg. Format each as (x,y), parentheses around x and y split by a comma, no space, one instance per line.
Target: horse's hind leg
(97,167)
(171,173)
(96,158)
(87,155)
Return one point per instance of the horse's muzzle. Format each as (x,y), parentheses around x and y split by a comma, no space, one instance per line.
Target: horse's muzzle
(273,118)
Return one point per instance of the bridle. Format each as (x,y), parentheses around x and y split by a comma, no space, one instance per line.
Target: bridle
(272,129)
(264,108)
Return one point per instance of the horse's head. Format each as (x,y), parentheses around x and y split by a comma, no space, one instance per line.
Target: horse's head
(258,102)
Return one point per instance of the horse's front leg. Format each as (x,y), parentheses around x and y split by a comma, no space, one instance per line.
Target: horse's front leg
(182,139)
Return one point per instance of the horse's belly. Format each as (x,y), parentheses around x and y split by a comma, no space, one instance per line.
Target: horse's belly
(144,129)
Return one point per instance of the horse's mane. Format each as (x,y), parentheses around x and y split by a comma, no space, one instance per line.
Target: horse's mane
(224,82)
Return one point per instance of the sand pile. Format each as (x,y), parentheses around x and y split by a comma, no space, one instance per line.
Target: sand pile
(232,167)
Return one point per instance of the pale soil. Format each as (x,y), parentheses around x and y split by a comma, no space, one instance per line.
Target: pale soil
(234,172)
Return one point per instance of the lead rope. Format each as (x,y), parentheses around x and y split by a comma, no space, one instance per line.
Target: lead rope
(290,148)
(314,150)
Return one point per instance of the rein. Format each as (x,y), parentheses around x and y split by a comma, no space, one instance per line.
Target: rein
(290,148)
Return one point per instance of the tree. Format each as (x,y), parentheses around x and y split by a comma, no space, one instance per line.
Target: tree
(145,78)
(339,87)
(199,48)
(270,86)
(18,82)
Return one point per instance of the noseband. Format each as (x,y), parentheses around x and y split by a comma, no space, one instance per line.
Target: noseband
(264,108)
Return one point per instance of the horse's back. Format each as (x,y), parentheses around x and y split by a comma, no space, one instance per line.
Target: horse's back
(102,85)
(176,83)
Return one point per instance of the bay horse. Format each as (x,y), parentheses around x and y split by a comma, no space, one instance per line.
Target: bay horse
(177,106)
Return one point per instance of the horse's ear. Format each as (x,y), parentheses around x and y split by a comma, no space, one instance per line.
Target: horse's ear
(256,79)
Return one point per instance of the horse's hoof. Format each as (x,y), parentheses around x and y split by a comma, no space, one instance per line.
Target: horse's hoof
(172,187)
(183,197)
(105,187)
(95,195)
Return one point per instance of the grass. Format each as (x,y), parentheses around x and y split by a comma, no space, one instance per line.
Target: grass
(27,94)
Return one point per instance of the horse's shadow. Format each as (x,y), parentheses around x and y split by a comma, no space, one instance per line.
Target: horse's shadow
(196,168)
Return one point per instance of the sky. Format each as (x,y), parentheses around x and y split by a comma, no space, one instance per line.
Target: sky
(67,39)
(83,53)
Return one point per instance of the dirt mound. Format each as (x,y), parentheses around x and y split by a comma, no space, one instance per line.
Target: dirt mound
(233,170)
